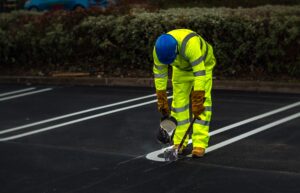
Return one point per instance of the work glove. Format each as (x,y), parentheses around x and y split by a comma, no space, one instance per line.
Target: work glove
(197,102)
(162,102)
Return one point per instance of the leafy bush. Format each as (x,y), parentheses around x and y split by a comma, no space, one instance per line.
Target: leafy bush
(218,3)
(258,43)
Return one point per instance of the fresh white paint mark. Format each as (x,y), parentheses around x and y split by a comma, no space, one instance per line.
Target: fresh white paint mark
(154,156)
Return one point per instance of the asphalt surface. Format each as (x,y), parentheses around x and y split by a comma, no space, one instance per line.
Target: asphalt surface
(104,150)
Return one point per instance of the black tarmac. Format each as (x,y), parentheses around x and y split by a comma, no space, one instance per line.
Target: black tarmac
(104,150)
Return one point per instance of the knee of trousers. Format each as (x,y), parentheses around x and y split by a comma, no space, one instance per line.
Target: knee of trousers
(182,116)
(179,134)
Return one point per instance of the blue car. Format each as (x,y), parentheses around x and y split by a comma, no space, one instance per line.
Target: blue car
(41,5)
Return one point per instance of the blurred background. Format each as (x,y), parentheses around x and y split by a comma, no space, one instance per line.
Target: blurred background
(252,39)
(10,5)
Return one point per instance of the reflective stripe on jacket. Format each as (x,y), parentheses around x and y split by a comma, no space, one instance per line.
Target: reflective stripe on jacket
(190,61)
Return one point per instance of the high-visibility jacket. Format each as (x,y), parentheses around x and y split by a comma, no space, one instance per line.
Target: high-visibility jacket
(189,64)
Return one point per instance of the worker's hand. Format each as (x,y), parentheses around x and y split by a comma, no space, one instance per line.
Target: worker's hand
(198,102)
(162,102)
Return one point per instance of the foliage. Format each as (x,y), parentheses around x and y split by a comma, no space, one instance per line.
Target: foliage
(258,43)
(217,3)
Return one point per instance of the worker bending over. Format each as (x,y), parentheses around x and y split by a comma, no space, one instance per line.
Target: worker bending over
(192,61)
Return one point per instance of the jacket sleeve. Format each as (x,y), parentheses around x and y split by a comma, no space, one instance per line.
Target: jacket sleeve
(160,72)
(196,58)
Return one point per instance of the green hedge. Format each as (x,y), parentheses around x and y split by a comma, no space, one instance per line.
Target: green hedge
(258,43)
(216,3)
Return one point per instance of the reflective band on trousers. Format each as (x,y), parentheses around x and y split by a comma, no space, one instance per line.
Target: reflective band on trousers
(199,73)
(160,75)
(201,122)
(186,107)
(181,109)
(183,122)
(208,108)
(184,43)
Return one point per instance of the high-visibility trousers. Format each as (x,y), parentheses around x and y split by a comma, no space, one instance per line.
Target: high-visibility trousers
(181,110)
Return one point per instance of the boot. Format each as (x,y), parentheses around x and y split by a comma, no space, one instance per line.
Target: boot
(198,152)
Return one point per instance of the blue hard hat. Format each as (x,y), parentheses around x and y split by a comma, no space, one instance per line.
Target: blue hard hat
(166,47)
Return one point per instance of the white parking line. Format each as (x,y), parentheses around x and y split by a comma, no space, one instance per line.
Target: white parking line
(252,132)
(118,110)
(154,155)
(17,91)
(25,94)
(255,118)
(77,121)
(75,113)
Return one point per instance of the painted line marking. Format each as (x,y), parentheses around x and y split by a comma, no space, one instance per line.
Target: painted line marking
(77,120)
(73,114)
(253,132)
(25,94)
(17,91)
(154,155)
(255,118)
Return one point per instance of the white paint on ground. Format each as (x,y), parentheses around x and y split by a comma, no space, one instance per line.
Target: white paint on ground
(25,94)
(77,121)
(154,155)
(252,132)
(73,114)
(16,92)
(254,118)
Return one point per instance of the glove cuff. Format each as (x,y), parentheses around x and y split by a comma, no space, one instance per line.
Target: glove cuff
(198,96)
(162,102)
(197,102)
